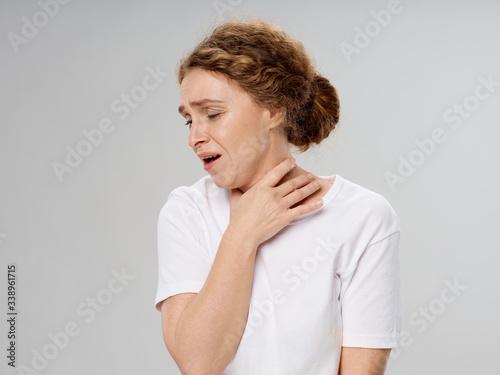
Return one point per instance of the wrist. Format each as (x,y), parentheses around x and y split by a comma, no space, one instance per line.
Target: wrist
(241,239)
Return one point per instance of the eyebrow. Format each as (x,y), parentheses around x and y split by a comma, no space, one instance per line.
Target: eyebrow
(199,103)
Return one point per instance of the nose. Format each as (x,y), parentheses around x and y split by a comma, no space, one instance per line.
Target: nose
(197,135)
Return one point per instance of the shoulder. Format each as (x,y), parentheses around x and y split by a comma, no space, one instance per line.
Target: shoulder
(191,198)
(369,208)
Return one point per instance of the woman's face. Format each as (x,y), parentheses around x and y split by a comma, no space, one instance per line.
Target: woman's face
(225,121)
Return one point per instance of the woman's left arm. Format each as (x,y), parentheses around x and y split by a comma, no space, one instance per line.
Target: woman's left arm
(363,361)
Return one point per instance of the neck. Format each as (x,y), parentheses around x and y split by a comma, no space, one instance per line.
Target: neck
(294,172)
(278,151)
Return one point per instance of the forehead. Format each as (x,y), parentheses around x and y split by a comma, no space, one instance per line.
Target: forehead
(199,83)
(200,86)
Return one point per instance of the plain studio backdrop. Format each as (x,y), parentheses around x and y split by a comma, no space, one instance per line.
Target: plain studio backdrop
(92,144)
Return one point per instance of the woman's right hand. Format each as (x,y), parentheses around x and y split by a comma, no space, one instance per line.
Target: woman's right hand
(265,209)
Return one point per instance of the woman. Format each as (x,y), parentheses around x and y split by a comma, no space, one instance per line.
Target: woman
(265,268)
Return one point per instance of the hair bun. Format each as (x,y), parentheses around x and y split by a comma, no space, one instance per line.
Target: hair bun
(319,117)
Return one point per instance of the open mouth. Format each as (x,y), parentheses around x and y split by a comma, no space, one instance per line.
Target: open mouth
(208,163)
(211,159)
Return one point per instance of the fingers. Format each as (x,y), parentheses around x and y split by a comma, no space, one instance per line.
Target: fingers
(276,174)
(294,183)
(304,209)
(298,194)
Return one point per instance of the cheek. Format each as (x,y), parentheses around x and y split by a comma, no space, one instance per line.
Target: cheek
(242,164)
(251,146)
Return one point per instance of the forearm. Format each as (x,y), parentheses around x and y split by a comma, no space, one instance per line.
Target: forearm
(211,326)
(363,361)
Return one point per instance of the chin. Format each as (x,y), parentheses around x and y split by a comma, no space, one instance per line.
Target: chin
(225,182)
(222,182)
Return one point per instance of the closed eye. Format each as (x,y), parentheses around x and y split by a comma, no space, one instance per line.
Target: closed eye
(214,116)
(211,117)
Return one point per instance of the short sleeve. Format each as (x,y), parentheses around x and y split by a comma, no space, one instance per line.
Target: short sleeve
(370,297)
(183,257)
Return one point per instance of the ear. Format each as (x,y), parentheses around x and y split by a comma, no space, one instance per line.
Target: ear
(277,116)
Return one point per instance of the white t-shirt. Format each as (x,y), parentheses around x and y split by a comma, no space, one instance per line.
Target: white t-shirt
(328,279)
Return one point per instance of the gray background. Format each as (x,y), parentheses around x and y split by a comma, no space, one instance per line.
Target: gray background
(68,236)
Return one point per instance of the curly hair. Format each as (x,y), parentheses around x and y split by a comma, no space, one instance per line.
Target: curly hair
(276,71)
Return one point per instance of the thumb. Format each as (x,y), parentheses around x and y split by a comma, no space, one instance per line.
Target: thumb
(235,196)
(233,200)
